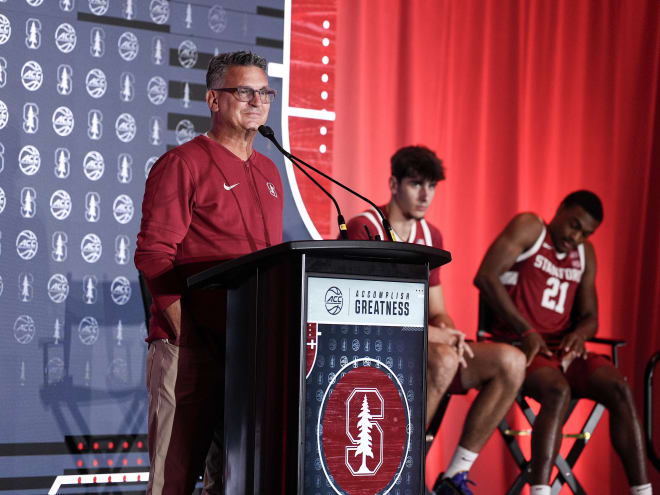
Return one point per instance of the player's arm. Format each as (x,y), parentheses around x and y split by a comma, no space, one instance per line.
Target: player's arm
(585,311)
(518,236)
(441,326)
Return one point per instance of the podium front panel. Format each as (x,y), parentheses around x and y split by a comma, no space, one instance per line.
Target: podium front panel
(364,385)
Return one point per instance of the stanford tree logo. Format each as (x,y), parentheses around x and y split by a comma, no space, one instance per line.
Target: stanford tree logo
(363,429)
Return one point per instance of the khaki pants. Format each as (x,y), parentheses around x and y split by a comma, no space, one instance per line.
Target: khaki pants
(186,387)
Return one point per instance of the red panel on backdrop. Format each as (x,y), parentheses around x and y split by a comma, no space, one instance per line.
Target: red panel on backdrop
(312,83)
(525,102)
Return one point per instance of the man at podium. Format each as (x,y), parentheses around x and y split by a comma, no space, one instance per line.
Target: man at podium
(454,365)
(212,198)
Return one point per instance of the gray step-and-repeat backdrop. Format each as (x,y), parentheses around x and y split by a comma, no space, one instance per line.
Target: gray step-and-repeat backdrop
(91,93)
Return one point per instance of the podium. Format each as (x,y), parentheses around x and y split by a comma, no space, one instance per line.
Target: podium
(325,371)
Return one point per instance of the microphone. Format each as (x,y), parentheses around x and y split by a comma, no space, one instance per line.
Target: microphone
(268,133)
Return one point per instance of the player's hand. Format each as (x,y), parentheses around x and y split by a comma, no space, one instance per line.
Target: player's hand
(532,344)
(573,343)
(461,347)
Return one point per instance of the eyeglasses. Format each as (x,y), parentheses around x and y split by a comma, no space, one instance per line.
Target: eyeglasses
(246,93)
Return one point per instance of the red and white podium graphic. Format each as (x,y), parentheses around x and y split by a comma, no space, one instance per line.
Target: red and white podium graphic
(364,386)
(363,431)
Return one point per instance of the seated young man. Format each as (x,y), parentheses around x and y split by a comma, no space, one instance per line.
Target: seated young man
(540,281)
(497,370)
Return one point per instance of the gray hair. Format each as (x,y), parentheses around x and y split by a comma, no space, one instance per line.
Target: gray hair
(218,66)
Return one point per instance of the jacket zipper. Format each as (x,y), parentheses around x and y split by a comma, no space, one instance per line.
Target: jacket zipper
(253,188)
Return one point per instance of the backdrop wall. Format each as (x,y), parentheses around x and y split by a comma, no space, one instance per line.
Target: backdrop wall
(525,102)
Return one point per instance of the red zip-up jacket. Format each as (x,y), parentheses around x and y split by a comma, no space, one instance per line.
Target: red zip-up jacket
(202,204)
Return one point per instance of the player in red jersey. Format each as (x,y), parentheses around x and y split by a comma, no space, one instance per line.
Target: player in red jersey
(453,365)
(540,282)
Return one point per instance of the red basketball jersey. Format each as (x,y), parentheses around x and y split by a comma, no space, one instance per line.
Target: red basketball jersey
(421,233)
(542,284)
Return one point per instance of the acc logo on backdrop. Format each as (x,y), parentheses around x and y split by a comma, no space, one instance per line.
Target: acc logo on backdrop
(34,3)
(117,374)
(96,83)
(4,114)
(124,168)
(29,160)
(63,121)
(3,72)
(5,29)
(97,42)
(2,286)
(88,330)
(93,165)
(28,202)
(60,204)
(94,124)
(122,208)
(58,288)
(128,46)
(149,165)
(217,19)
(33,33)
(127,87)
(3,200)
(25,287)
(90,293)
(30,118)
(64,79)
(159,11)
(120,290)
(26,244)
(24,329)
(187,54)
(2,157)
(157,90)
(184,131)
(32,75)
(125,127)
(98,7)
(65,37)
(54,369)
(59,246)
(91,248)
(364,428)
(92,207)
(122,254)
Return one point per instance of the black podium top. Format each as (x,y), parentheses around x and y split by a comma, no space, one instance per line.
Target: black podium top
(392,252)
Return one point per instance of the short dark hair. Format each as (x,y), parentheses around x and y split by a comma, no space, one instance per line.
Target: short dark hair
(218,66)
(588,201)
(417,161)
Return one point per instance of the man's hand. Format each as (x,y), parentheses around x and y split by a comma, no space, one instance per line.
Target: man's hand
(442,334)
(573,343)
(532,344)
(572,347)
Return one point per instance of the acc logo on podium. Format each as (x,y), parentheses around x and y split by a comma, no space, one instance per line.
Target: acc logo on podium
(364,429)
(334,300)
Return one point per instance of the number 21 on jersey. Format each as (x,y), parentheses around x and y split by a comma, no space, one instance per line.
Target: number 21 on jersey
(554,295)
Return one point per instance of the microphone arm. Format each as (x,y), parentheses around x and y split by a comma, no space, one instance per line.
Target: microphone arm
(268,133)
(343,230)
